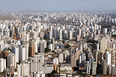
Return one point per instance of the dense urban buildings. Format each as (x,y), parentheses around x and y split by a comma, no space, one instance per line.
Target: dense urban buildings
(64,44)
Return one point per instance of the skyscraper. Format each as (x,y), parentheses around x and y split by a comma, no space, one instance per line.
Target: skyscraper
(53,43)
(104,67)
(23,69)
(2,64)
(108,58)
(82,58)
(50,35)
(60,34)
(88,67)
(22,53)
(93,68)
(113,57)
(61,58)
(73,61)
(41,47)
(11,60)
(103,45)
(15,50)
(32,48)
(70,35)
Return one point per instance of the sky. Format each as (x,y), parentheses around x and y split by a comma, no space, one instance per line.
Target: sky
(58,5)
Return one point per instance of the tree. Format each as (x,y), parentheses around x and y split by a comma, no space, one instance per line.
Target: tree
(114,35)
(63,41)
(47,50)
(67,46)
(91,41)
(53,72)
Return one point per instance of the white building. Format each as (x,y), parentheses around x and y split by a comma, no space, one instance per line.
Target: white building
(70,35)
(11,60)
(50,35)
(50,47)
(108,58)
(39,74)
(55,61)
(15,50)
(23,69)
(60,34)
(105,30)
(22,53)
(2,64)
(61,58)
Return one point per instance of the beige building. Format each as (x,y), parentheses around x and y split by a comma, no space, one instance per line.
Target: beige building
(23,69)
(103,45)
(65,70)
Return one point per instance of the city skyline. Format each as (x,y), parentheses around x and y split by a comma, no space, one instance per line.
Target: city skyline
(58,6)
(57,38)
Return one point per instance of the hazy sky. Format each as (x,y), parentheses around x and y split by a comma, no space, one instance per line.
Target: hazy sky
(57,5)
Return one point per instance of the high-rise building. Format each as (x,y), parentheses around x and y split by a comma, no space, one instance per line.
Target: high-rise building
(78,38)
(73,61)
(42,35)
(79,32)
(104,67)
(36,46)
(2,64)
(95,55)
(103,45)
(109,70)
(88,67)
(39,74)
(65,70)
(12,69)
(70,35)
(100,57)
(82,58)
(60,34)
(108,58)
(83,34)
(61,58)
(105,30)
(93,68)
(50,47)
(45,43)
(11,60)
(81,47)
(53,43)
(113,57)
(32,48)
(65,34)
(114,46)
(15,50)
(97,47)
(36,62)
(50,35)
(113,69)
(55,61)
(14,36)
(23,69)
(22,53)
(54,32)
(67,56)
(41,47)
